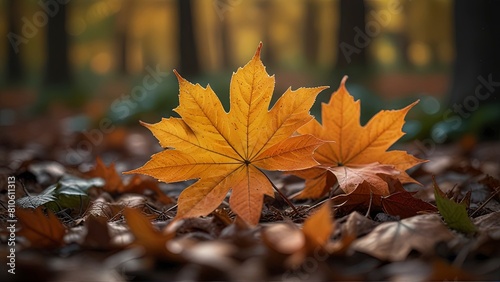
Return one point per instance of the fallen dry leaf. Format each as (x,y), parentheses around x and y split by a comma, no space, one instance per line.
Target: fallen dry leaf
(114,183)
(357,153)
(444,271)
(140,184)
(318,227)
(216,254)
(288,240)
(103,207)
(362,197)
(42,231)
(357,225)
(286,244)
(404,205)
(229,150)
(365,198)
(97,237)
(493,184)
(145,235)
(489,224)
(393,241)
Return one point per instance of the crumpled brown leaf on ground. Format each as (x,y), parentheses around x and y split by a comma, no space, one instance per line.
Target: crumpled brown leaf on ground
(42,231)
(137,184)
(145,235)
(393,241)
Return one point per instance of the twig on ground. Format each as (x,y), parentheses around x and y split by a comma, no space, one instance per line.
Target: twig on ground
(497,190)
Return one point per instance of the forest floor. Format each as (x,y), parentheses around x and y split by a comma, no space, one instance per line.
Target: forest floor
(96,237)
(97,243)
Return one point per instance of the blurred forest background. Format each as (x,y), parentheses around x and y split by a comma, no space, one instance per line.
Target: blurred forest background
(78,63)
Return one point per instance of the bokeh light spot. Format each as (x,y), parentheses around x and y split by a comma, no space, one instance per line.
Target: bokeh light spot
(430,105)
(101,63)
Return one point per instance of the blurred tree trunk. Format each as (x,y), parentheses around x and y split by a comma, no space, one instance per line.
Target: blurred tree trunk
(352,23)
(477,62)
(121,43)
(189,62)
(311,33)
(226,44)
(15,70)
(58,70)
(267,11)
(122,27)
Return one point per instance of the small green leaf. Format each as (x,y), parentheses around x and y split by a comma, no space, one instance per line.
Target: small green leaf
(454,214)
(64,201)
(69,192)
(72,192)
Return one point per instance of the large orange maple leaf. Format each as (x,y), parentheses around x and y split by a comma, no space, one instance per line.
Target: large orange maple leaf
(229,150)
(358,154)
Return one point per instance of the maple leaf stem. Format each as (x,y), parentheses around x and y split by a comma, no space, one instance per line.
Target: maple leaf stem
(369,205)
(317,204)
(160,213)
(322,202)
(283,196)
(171,208)
(334,189)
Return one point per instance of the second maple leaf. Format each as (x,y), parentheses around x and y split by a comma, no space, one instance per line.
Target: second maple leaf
(357,154)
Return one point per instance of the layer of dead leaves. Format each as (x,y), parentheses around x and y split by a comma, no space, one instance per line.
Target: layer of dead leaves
(132,236)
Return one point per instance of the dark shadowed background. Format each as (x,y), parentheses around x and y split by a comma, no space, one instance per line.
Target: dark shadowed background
(88,70)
